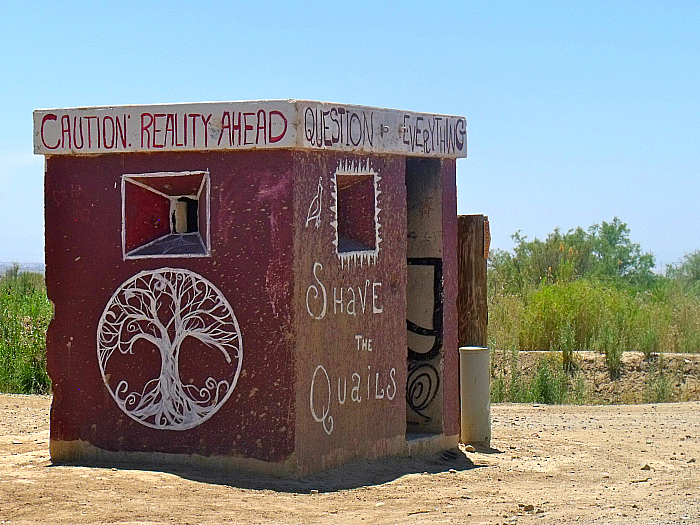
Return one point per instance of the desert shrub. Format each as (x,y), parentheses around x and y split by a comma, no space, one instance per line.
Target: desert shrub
(505,376)
(588,290)
(25,312)
(505,312)
(556,317)
(499,392)
(687,271)
(658,384)
(548,384)
(571,290)
(646,324)
(601,315)
(578,392)
(686,321)
(579,315)
(610,342)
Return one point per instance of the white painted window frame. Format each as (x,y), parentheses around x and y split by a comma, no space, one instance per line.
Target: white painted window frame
(204,190)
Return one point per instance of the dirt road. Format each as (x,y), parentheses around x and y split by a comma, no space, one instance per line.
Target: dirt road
(550,464)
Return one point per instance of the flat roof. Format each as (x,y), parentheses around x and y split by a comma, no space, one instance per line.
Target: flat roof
(261,124)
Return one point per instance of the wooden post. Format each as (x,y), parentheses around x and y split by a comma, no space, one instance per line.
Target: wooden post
(473,242)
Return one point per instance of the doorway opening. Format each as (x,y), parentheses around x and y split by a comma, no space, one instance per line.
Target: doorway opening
(424,297)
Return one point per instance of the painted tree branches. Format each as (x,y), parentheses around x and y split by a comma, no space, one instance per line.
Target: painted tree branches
(169,348)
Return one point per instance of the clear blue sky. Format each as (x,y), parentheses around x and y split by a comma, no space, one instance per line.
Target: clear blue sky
(577,111)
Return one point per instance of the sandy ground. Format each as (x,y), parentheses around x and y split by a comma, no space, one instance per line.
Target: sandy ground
(549,464)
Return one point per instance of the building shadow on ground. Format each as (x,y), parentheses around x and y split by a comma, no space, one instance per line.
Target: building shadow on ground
(356,474)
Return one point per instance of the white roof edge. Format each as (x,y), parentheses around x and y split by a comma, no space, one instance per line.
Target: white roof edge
(255,124)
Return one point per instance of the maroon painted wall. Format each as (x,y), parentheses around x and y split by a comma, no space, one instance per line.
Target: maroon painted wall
(250,263)
(350,390)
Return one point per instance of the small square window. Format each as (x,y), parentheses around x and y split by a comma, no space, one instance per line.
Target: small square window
(356,227)
(165,214)
(356,213)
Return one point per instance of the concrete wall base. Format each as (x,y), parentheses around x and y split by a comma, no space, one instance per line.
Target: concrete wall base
(81,452)
(425,445)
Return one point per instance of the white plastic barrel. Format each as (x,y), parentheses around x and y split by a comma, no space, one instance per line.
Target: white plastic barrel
(475,395)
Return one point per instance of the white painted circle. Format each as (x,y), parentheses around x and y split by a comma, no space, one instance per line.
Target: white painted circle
(162,309)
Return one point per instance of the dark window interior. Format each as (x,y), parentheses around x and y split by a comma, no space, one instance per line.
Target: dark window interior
(357,230)
(162,214)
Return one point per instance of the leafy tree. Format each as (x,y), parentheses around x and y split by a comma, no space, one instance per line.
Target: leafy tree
(617,256)
(604,251)
(687,272)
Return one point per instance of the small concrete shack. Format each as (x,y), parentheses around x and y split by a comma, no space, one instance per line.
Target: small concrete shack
(265,285)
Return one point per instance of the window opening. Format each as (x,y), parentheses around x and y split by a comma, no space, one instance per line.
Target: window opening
(356,213)
(356,226)
(165,214)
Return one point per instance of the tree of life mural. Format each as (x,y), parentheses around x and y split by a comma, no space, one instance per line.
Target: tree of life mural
(169,348)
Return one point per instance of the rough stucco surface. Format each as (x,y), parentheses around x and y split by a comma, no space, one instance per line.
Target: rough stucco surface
(358,406)
(250,263)
(324,368)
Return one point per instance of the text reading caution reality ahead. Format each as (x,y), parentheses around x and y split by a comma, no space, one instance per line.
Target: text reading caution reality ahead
(158,128)
(247,125)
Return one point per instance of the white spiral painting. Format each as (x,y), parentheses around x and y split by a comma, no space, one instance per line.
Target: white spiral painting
(169,348)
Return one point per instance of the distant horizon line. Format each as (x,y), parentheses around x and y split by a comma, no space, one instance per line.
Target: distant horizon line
(4,264)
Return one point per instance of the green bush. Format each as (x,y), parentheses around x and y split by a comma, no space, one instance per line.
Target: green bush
(25,313)
(658,388)
(604,251)
(587,290)
(687,271)
(591,289)
(601,315)
(505,313)
(549,384)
